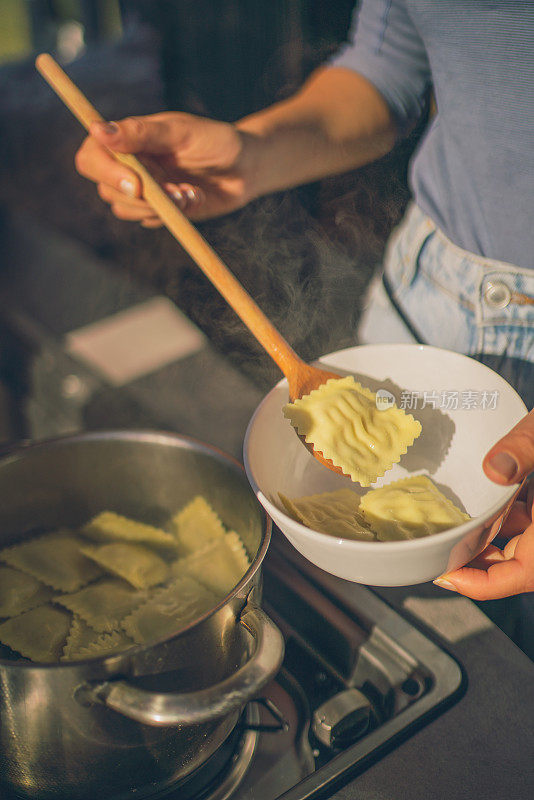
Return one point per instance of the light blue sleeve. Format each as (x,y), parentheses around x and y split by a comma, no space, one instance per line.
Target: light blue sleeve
(386,48)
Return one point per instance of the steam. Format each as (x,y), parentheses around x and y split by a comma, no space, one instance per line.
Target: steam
(305,256)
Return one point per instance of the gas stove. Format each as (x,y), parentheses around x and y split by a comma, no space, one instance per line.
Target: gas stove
(356,678)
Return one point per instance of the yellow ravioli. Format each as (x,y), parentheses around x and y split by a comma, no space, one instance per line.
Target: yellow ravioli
(20,592)
(108,526)
(84,642)
(342,421)
(55,558)
(168,610)
(196,525)
(39,634)
(103,605)
(410,508)
(136,564)
(335,513)
(219,567)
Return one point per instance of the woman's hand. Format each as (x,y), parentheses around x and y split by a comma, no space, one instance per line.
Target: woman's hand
(202,164)
(335,122)
(499,573)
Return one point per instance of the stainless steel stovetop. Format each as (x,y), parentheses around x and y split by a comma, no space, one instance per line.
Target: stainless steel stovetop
(356,678)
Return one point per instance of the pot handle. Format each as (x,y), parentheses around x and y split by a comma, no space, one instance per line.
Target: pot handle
(232,693)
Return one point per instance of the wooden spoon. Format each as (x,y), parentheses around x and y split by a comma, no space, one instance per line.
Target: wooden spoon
(301,377)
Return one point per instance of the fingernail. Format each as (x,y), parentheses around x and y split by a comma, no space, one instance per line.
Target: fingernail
(110,128)
(505,465)
(127,187)
(445,584)
(178,197)
(195,194)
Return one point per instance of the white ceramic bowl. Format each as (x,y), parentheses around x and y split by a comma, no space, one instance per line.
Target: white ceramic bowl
(450,450)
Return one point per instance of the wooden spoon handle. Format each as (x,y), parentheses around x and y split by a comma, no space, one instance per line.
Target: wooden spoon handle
(180,227)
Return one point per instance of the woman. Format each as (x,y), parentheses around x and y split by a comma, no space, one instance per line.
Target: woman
(458,273)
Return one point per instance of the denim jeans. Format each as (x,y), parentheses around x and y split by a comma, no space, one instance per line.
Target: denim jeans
(433,292)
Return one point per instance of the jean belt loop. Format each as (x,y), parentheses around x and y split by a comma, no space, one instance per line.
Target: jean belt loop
(425,229)
(419,229)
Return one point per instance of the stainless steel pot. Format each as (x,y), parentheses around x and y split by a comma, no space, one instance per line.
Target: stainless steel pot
(142,719)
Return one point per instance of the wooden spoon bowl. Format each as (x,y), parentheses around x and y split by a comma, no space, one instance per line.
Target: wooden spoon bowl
(302,379)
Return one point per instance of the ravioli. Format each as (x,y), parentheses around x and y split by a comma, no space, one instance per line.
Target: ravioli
(169,609)
(196,525)
(335,513)
(342,421)
(409,509)
(117,589)
(218,567)
(55,559)
(84,642)
(103,605)
(39,634)
(20,592)
(108,526)
(135,563)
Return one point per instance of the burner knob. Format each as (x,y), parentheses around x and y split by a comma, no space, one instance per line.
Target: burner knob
(342,719)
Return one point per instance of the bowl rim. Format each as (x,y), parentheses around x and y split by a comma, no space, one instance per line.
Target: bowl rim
(355,544)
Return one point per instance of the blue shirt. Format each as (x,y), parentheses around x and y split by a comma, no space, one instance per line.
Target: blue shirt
(473,172)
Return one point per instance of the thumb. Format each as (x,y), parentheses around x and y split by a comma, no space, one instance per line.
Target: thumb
(139,135)
(512,457)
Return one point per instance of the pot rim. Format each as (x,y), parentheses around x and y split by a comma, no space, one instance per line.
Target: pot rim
(149,436)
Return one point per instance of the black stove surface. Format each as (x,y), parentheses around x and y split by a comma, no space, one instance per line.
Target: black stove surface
(356,678)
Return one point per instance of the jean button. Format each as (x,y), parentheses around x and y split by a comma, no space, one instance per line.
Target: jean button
(497,294)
